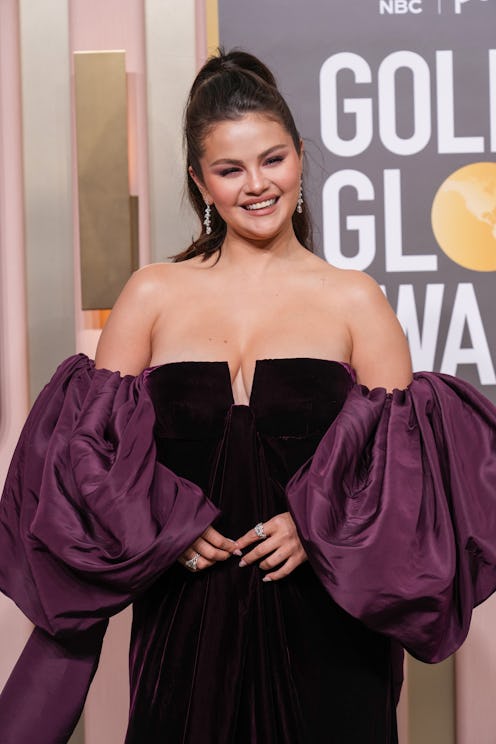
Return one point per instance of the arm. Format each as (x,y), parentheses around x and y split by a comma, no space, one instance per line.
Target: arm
(380,354)
(126,341)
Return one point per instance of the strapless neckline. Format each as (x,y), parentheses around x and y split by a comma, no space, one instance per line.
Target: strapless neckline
(224,365)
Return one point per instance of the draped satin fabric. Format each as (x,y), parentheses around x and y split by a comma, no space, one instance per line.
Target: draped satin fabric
(393,496)
(397,510)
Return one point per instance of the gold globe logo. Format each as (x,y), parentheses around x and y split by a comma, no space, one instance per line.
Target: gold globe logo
(464,216)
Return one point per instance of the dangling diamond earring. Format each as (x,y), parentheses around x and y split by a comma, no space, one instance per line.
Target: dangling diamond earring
(206,219)
(299,204)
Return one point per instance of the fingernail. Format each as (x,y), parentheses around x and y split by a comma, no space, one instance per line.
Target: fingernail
(242,563)
(266,578)
(237,552)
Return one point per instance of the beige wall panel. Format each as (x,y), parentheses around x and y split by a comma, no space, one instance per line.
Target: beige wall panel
(48,185)
(476,679)
(171,65)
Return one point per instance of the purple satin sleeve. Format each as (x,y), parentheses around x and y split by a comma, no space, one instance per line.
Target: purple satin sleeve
(44,696)
(89,518)
(397,510)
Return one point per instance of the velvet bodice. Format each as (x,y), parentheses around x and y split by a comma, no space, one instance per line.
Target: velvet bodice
(292,402)
(268,655)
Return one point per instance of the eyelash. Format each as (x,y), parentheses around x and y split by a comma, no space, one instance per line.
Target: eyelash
(269,161)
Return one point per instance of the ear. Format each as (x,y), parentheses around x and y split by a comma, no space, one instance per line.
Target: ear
(200,185)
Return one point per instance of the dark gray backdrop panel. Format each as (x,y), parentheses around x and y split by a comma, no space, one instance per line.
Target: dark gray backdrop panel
(295,38)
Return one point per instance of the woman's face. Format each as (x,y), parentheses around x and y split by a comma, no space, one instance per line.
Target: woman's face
(252,173)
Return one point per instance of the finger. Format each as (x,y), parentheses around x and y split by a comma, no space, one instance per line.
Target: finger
(281,573)
(275,559)
(209,552)
(201,563)
(215,538)
(251,536)
(260,551)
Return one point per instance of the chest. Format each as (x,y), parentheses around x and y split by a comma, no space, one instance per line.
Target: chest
(243,323)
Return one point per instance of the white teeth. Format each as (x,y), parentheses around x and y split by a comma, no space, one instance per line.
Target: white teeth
(261,205)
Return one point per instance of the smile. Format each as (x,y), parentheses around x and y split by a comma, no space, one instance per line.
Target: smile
(261,205)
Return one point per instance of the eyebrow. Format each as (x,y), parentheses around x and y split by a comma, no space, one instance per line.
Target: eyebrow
(262,155)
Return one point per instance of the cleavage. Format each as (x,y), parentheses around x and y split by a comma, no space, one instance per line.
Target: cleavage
(240,392)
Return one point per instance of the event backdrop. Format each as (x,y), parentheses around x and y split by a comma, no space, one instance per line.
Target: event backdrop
(396,103)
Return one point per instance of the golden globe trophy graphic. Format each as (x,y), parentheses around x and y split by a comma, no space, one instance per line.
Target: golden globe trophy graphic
(464,216)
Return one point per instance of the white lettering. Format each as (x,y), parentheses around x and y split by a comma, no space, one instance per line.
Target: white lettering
(466,311)
(447,141)
(393,233)
(458,5)
(400,7)
(386,6)
(363,224)
(361,108)
(421,103)
(422,343)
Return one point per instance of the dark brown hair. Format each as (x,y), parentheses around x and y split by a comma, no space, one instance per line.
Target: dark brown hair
(227,87)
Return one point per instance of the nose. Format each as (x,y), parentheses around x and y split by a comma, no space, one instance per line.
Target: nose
(256,182)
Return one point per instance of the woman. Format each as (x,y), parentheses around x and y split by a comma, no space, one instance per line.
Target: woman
(229,416)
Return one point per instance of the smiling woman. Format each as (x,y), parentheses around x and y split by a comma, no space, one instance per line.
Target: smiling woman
(249,185)
(247,400)
(253,96)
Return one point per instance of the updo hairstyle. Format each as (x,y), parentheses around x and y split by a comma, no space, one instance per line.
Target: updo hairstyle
(227,87)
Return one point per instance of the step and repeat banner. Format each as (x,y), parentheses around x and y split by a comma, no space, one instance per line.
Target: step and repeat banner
(396,103)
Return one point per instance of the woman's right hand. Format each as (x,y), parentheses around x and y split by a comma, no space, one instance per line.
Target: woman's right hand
(210,547)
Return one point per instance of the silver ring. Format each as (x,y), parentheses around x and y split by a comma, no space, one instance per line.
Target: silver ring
(259,530)
(193,562)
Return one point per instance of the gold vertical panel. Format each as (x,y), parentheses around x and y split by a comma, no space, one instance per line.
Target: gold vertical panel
(212,13)
(105,227)
(431,702)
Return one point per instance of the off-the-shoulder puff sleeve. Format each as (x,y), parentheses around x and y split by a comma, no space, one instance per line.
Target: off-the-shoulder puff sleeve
(88,520)
(88,517)
(397,510)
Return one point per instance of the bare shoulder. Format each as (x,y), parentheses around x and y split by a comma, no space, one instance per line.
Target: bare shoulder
(151,278)
(350,288)
(156,283)
(126,341)
(380,353)
(359,289)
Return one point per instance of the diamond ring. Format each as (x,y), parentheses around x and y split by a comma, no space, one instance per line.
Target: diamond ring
(259,530)
(193,562)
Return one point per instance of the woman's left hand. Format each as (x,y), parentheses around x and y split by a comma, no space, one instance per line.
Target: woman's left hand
(282,547)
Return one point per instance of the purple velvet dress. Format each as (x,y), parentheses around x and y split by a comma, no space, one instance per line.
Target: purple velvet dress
(394,498)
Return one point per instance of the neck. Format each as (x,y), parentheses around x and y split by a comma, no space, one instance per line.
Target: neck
(259,256)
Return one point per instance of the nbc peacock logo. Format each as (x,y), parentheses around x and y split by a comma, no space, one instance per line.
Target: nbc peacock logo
(464,216)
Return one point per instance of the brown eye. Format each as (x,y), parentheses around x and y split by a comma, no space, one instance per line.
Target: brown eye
(227,171)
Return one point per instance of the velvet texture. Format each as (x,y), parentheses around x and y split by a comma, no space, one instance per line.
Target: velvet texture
(393,497)
(220,656)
